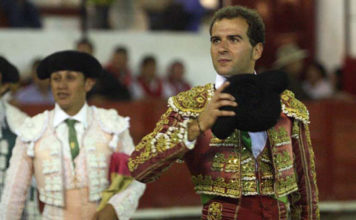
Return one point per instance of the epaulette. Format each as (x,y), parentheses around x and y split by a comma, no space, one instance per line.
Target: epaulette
(32,129)
(111,122)
(294,108)
(192,102)
(14,117)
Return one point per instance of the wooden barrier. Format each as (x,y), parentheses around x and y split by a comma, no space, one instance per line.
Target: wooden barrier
(333,133)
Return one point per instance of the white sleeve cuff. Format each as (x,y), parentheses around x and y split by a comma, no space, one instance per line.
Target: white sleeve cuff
(125,202)
(189,144)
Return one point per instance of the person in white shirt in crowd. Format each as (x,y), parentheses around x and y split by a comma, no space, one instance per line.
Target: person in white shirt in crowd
(148,85)
(68,149)
(316,84)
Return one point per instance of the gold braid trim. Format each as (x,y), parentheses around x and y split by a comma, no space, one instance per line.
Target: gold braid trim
(158,142)
(294,108)
(192,102)
(312,166)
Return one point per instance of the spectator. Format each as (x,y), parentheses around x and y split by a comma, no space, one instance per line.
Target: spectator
(148,84)
(107,87)
(316,84)
(21,13)
(85,45)
(290,59)
(38,92)
(175,82)
(335,79)
(118,66)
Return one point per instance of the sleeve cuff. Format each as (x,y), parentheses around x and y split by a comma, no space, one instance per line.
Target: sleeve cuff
(189,144)
(125,203)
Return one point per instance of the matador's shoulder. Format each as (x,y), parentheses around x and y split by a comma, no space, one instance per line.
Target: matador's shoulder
(190,103)
(294,108)
(110,121)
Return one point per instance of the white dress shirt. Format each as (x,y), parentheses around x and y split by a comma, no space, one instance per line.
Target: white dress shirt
(258,139)
(75,175)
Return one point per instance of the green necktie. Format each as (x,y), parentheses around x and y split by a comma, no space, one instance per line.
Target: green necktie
(246,140)
(72,136)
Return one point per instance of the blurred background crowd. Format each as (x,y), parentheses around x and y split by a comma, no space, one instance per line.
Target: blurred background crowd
(154,49)
(310,79)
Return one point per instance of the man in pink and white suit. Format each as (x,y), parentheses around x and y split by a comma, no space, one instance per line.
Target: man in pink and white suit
(68,149)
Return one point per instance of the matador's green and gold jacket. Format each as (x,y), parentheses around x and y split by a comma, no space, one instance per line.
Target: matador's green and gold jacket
(224,167)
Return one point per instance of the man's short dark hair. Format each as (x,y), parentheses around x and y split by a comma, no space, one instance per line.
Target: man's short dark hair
(147,60)
(87,42)
(121,49)
(256,27)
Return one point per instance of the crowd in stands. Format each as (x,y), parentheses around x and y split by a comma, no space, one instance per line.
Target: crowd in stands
(116,83)
(308,80)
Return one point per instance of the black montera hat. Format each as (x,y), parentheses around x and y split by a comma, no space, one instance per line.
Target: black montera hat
(9,72)
(69,60)
(259,105)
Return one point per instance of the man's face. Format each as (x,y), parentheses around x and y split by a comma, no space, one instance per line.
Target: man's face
(149,70)
(231,50)
(177,72)
(69,89)
(86,48)
(120,59)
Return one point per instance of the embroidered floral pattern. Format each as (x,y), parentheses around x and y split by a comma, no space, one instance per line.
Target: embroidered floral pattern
(192,102)
(279,136)
(158,142)
(215,211)
(218,163)
(232,164)
(232,140)
(295,129)
(293,107)
(218,186)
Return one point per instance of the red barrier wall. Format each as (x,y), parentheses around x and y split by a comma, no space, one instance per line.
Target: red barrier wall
(333,132)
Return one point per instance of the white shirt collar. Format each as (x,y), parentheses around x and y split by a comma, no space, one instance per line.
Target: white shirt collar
(60,115)
(219,80)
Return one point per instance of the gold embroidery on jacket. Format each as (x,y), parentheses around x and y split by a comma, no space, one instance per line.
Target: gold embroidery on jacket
(283,160)
(232,164)
(232,140)
(286,185)
(218,162)
(279,136)
(295,129)
(292,107)
(215,211)
(219,186)
(158,142)
(190,103)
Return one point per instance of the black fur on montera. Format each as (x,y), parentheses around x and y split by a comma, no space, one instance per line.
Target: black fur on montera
(259,105)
